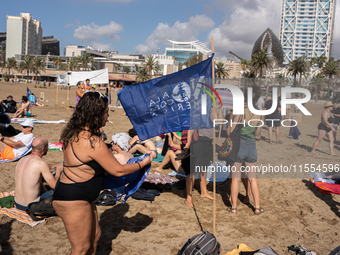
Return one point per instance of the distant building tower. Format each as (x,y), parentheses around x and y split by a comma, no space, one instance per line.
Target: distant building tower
(50,45)
(307,28)
(24,35)
(271,44)
(182,51)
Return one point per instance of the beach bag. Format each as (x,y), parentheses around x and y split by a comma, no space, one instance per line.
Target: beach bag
(230,147)
(42,209)
(202,244)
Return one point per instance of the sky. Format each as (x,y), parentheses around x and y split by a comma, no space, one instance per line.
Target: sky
(143,26)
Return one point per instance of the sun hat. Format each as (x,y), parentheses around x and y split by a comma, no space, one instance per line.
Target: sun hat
(328,104)
(27,123)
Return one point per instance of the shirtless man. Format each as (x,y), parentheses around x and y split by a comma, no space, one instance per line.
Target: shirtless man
(120,143)
(29,173)
(25,109)
(146,146)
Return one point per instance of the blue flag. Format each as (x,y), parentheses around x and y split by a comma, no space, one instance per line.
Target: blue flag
(170,103)
(31,96)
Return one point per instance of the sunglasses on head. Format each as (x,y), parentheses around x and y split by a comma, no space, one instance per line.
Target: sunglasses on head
(100,94)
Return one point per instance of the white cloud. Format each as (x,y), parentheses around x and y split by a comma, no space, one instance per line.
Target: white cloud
(69,25)
(101,46)
(246,21)
(93,32)
(186,31)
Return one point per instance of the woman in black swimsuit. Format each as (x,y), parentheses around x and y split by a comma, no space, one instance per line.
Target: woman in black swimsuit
(86,158)
(326,127)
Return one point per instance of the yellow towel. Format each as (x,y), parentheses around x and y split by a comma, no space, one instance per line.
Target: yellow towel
(240,247)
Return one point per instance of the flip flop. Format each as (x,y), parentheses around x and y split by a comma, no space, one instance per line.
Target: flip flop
(230,209)
(260,211)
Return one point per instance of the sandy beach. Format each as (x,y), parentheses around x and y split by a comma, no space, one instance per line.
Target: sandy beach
(296,212)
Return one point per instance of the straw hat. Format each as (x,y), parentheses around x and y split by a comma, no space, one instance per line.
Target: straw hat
(328,104)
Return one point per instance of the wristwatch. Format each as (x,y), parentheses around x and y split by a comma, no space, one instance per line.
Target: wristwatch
(2,139)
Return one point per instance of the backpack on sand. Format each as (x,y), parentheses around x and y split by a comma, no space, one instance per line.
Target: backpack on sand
(202,244)
(42,209)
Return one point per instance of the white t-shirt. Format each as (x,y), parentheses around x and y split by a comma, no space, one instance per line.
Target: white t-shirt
(259,103)
(26,139)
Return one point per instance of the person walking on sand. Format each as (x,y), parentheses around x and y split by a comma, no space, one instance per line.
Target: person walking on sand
(80,92)
(326,128)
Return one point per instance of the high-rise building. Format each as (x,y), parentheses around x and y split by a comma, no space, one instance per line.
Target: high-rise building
(182,51)
(24,35)
(50,45)
(307,28)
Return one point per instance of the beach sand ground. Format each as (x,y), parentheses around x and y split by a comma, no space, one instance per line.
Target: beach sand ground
(296,212)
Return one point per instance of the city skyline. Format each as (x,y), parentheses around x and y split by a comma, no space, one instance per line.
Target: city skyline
(141,27)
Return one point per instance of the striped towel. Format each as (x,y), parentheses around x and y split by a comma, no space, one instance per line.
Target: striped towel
(17,214)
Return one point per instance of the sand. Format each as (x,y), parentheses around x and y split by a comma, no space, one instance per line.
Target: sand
(296,212)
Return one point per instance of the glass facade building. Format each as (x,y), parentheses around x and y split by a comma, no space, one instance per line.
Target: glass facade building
(307,28)
(182,51)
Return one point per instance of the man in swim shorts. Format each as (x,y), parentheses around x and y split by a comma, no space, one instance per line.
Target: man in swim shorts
(29,173)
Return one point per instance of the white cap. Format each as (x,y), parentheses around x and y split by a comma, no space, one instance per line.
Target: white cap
(27,123)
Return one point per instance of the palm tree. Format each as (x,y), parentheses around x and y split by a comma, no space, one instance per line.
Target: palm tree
(143,74)
(297,66)
(74,64)
(151,64)
(195,59)
(330,69)
(37,66)
(261,61)
(221,71)
(118,67)
(317,83)
(86,60)
(26,65)
(57,62)
(127,69)
(320,61)
(11,63)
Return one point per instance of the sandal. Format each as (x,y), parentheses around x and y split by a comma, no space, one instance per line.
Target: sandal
(260,211)
(279,142)
(230,209)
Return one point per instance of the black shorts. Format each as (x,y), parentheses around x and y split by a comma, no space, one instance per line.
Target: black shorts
(324,127)
(273,123)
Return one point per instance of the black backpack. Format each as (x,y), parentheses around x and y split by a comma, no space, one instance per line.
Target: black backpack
(42,209)
(203,244)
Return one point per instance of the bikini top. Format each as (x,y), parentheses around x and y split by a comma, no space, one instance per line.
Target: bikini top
(99,171)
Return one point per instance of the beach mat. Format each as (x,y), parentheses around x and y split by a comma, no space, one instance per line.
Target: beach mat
(327,188)
(36,121)
(17,214)
(17,158)
(55,147)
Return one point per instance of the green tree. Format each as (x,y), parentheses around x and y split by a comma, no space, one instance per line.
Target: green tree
(74,64)
(57,62)
(127,69)
(152,65)
(317,84)
(143,74)
(26,65)
(330,70)
(297,66)
(221,71)
(37,67)
(195,59)
(86,61)
(11,63)
(259,62)
(320,61)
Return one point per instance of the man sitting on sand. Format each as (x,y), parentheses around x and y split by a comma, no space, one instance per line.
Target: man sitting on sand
(120,145)
(144,147)
(25,109)
(29,173)
(15,146)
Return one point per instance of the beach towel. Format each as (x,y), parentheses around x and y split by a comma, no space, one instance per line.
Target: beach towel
(327,188)
(159,157)
(55,146)
(36,121)
(240,247)
(17,158)
(157,178)
(294,131)
(17,214)
(134,180)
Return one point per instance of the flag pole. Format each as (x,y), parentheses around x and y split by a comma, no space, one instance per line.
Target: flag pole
(68,87)
(214,140)
(57,94)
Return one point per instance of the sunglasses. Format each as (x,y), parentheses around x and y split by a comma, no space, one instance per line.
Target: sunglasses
(25,126)
(100,94)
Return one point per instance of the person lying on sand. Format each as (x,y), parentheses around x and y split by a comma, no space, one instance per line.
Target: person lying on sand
(120,144)
(144,147)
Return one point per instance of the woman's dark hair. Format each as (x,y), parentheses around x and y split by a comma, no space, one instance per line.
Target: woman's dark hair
(132,132)
(24,98)
(89,113)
